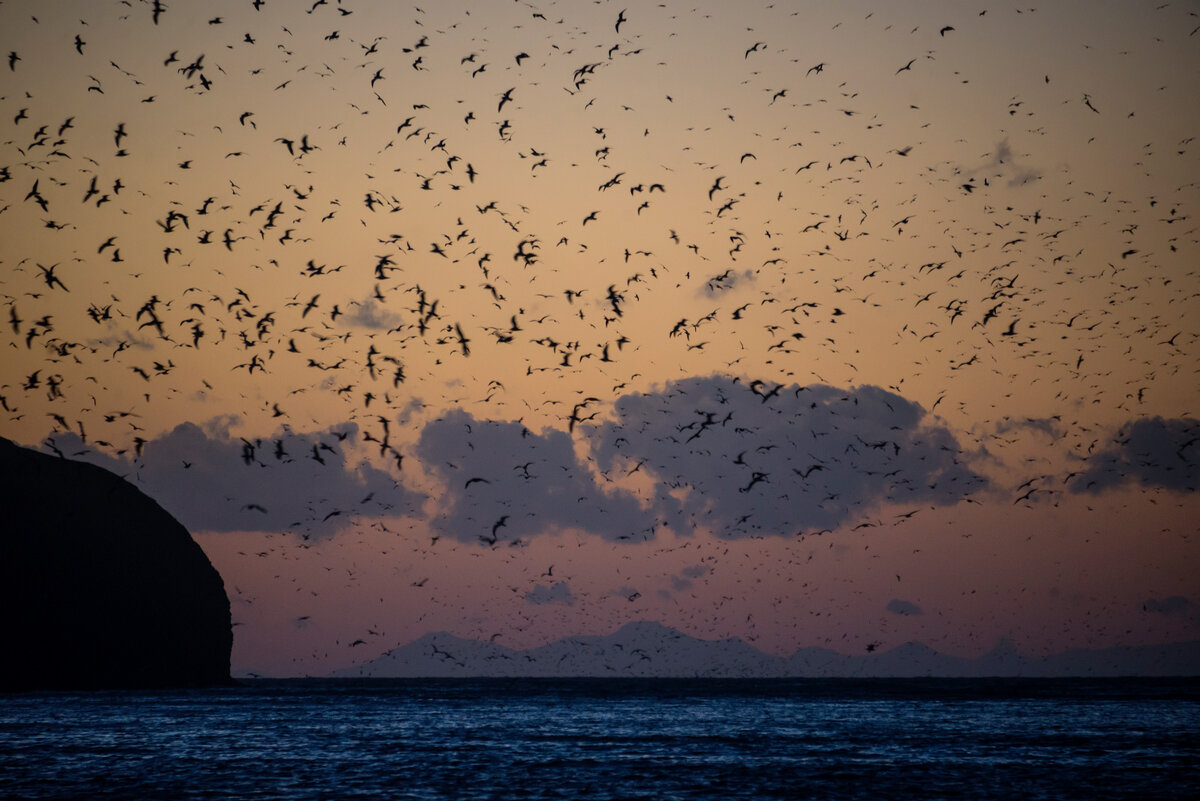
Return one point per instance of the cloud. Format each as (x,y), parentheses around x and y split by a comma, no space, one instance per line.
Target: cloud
(684,580)
(899,607)
(558,593)
(1005,161)
(504,481)
(1050,427)
(724,281)
(210,480)
(745,459)
(1170,606)
(735,458)
(370,313)
(1153,452)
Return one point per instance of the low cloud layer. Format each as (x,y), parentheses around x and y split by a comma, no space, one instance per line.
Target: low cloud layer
(737,458)
(750,458)
(557,593)
(1152,452)
(906,608)
(1171,605)
(503,482)
(210,480)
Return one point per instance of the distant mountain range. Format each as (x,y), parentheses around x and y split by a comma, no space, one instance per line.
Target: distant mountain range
(648,649)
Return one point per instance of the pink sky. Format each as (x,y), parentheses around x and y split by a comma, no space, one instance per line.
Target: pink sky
(733,318)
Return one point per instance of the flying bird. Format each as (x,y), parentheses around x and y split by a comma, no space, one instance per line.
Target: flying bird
(507,96)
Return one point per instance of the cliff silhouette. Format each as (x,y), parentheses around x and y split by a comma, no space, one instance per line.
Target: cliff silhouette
(99,586)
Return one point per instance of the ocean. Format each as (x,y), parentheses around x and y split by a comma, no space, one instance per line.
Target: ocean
(660,739)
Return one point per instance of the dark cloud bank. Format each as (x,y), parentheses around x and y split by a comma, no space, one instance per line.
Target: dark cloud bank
(758,458)
(504,482)
(735,457)
(212,481)
(1151,452)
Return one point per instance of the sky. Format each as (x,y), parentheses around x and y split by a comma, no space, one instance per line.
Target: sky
(814,324)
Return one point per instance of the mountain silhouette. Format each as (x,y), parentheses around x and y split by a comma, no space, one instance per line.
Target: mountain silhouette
(649,649)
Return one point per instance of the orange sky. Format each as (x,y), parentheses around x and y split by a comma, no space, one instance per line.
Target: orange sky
(945,254)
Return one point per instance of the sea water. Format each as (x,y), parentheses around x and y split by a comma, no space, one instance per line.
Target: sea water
(609,739)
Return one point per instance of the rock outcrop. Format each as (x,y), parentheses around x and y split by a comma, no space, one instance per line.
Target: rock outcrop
(99,586)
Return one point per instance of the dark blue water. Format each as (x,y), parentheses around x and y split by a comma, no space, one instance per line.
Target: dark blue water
(610,739)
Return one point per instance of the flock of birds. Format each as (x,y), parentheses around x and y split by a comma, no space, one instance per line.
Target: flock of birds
(575,223)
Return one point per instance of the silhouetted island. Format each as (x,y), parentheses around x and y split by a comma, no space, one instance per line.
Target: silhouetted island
(100,586)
